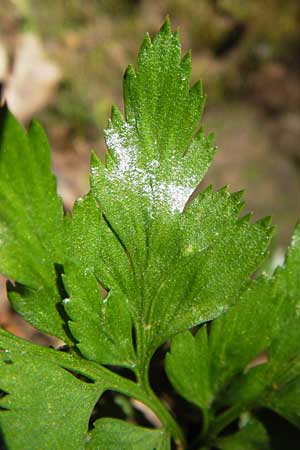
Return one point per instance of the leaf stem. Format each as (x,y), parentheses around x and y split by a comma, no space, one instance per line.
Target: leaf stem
(150,399)
(161,410)
(223,420)
(141,391)
(206,417)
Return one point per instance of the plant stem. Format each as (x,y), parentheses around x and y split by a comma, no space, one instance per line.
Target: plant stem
(106,380)
(143,392)
(161,410)
(223,420)
(150,399)
(206,417)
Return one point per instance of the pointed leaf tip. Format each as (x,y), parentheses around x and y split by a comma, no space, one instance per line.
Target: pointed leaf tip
(129,72)
(166,26)
(246,218)
(116,115)
(296,235)
(94,159)
(238,195)
(265,222)
(146,44)
(187,58)
(197,88)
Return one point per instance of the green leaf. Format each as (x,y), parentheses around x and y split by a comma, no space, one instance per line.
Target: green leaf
(222,372)
(136,239)
(245,330)
(277,380)
(87,238)
(102,327)
(187,264)
(167,261)
(57,391)
(31,217)
(187,366)
(285,401)
(252,436)
(114,434)
(105,334)
(46,406)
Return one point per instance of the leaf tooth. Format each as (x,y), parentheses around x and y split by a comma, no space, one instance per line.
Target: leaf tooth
(186,60)
(246,218)
(296,236)
(240,206)
(186,66)
(128,92)
(271,230)
(146,44)
(197,89)
(177,38)
(116,116)
(166,27)
(144,50)
(236,199)
(208,189)
(96,165)
(238,195)
(224,190)
(264,222)
(129,73)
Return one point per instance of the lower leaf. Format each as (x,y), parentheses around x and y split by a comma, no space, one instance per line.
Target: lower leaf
(253,436)
(114,434)
(45,405)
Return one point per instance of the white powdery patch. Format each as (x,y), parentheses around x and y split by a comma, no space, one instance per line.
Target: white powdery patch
(178,196)
(144,181)
(124,150)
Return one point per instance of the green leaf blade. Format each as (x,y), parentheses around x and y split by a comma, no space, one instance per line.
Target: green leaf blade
(114,434)
(31,217)
(277,380)
(187,367)
(105,334)
(156,158)
(58,404)
(252,436)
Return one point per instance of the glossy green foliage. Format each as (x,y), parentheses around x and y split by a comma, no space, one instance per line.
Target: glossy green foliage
(113,434)
(275,383)
(138,263)
(42,390)
(105,335)
(229,368)
(156,158)
(251,436)
(31,220)
(189,371)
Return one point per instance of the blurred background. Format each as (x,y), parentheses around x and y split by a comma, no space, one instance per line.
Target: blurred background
(62,62)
